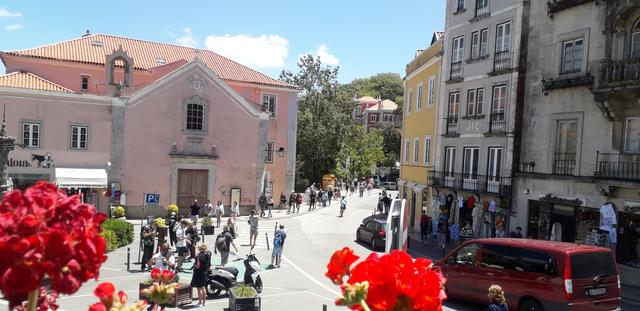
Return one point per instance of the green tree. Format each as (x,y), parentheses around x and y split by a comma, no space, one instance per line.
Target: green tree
(360,153)
(324,116)
(391,144)
(387,85)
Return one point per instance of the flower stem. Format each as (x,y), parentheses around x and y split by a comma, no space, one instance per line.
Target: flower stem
(32,301)
(364,305)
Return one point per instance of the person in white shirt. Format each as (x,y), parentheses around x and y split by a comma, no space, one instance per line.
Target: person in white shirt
(163,259)
(219,213)
(182,241)
(208,208)
(253,229)
(235,211)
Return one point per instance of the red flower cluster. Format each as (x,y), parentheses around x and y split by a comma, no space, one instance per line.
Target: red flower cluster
(109,301)
(45,233)
(395,281)
(46,302)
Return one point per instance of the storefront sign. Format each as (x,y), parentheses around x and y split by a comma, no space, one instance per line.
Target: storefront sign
(18,163)
(41,161)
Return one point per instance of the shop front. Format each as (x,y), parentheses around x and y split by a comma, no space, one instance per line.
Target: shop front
(629,234)
(563,220)
(89,184)
(25,171)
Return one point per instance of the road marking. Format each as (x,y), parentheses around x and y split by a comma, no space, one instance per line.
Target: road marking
(320,296)
(92,295)
(112,269)
(314,280)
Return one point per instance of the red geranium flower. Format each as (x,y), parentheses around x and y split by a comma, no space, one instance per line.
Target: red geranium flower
(340,264)
(98,306)
(167,276)
(104,290)
(156,274)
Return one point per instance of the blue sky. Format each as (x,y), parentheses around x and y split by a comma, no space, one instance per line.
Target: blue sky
(362,37)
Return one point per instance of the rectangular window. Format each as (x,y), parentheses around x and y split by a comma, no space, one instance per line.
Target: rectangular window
(416,150)
(564,161)
(419,97)
(572,55)
(79,137)
(479,101)
(31,134)
(635,45)
(503,37)
(85,83)
(484,39)
(449,161)
(482,7)
(470,163)
(427,149)
(632,135)
(373,118)
(432,89)
(459,5)
(406,151)
(493,167)
(269,102)
(409,101)
(471,102)
(195,117)
(499,99)
(454,104)
(458,50)
(270,149)
(479,43)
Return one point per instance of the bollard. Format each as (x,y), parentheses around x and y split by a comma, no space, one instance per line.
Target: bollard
(202,231)
(266,237)
(275,229)
(324,307)
(128,258)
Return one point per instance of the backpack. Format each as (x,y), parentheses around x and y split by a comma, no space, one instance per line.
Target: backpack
(204,266)
(277,240)
(221,242)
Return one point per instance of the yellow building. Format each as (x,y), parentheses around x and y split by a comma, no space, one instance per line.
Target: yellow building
(419,134)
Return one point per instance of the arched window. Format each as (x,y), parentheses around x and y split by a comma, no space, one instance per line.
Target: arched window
(195,117)
(635,41)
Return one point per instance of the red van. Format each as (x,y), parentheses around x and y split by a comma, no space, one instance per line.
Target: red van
(534,274)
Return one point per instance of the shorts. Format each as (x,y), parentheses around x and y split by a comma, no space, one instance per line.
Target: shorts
(194,219)
(182,251)
(224,257)
(277,251)
(253,230)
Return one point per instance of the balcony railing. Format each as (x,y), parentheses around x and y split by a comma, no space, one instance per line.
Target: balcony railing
(559,5)
(452,124)
(619,73)
(470,182)
(497,123)
(456,70)
(502,61)
(564,163)
(460,7)
(618,166)
(482,8)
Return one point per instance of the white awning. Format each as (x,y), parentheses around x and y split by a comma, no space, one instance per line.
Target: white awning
(81,178)
(419,188)
(401,182)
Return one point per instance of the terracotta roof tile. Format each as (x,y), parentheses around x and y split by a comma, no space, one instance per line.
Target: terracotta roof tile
(30,81)
(146,55)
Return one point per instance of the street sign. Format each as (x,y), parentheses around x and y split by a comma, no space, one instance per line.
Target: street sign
(152,198)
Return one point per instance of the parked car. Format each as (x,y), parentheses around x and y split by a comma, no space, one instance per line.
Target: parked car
(372,231)
(389,185)
(535,274)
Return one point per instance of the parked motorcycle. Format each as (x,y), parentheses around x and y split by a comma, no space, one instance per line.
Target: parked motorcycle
(218,279)
(252,272)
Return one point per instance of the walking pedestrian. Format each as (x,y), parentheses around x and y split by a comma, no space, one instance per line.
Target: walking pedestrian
(442,232)
(202,264)
(325,198)
(496,299)
(148,234)
(171,224)
(330,195)
(193,238)
(219,213)
(232,228)
(223,243)
(269,206)
(386,201)
(283,201)
(292,201)
(235,211)
(361,189)
(466,233)
(425,221)
(253,229)
(312,199)
(278,245)
(195,211)
(181,241)
(298,202)
(208,209)
(262,203)
(380,206)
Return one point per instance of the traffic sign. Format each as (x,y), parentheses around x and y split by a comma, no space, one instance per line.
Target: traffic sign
(152,198)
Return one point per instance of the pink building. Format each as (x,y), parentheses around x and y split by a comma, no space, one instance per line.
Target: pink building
(373,113)
(114,118)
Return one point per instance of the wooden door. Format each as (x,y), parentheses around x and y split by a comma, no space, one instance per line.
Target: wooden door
(192,185)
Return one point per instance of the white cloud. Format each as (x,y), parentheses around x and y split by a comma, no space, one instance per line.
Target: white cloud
(266,51)
(13,27)
(325,57)
(188,39)
(6,13)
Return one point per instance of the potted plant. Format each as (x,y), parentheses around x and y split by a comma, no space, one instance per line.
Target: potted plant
(172,209)
(163,290)
(118,212)
(244,297)
(207,226)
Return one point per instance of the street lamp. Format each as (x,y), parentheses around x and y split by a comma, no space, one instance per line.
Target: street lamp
(281,152)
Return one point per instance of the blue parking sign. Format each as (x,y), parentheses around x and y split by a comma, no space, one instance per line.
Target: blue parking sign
(152,198)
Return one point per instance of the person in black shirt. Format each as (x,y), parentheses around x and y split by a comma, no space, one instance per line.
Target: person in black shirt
(517,234)
(292,201)
(195,211)
(172,220)
(202,264)
(192,235)
(148,234)
(386,201)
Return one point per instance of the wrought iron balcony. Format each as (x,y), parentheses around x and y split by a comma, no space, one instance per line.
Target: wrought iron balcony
(564,164)
(619,73)
(618,166)
(554,6)
(456,70)
(502,61)
(470,182)
(497,123)
(482,8)
(452,125)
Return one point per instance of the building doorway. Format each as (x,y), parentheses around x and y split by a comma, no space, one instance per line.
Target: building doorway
(192,185)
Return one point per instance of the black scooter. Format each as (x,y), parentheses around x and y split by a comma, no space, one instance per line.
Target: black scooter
(220,279)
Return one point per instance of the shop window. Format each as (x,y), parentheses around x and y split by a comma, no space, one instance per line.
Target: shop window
(467,255)
(31,134)
(79,137)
